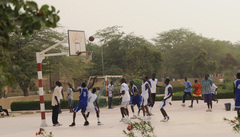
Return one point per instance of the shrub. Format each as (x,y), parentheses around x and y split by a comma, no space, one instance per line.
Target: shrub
(227,80)
(223,86)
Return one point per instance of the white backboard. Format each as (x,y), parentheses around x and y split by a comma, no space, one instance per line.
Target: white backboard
(76,41)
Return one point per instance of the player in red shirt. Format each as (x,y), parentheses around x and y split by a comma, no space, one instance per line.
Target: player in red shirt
(196,92)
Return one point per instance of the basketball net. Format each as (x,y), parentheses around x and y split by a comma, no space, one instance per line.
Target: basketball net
(86,56)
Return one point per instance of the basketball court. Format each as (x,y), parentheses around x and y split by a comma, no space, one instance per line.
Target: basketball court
(184,122)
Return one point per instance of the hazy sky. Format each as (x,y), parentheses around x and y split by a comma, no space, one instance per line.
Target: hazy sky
(218,19)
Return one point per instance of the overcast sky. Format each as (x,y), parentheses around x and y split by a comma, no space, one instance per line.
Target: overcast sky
(218,19)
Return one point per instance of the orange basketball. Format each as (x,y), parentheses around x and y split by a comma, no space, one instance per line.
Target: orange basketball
(91,38)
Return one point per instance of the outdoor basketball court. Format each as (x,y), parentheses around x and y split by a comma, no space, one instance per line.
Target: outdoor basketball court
(184,122)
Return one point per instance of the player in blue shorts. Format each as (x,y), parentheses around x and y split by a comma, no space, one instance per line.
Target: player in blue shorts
(82,104)
(236,91)
(135,98)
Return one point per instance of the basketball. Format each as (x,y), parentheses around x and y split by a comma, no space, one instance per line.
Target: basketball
(91,38)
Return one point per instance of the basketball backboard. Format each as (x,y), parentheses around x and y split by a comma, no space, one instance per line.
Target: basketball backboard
(76,41)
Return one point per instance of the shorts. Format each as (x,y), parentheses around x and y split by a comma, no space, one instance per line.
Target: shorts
(144,101)
(134,102)
(237,104)
(195,95)
(163,104)
(124,104)
(207,98)
(91,109)
(70,102)
(81,105)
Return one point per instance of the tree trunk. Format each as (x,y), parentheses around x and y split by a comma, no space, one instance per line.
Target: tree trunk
(24,86)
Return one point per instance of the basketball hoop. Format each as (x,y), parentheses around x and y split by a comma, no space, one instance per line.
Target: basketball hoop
(85,55)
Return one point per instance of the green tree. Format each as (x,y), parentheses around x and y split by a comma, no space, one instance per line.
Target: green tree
(24,55)
(200,63)
(229,62)
(212,66)
(20,17)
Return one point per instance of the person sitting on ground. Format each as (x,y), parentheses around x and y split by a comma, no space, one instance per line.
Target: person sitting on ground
(4,110)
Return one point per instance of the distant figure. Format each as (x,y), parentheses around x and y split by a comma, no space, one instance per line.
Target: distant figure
(110,91)
(4,110)
(56,104)
(61,98)
(187,91)
(70,97)
(162,79)
(214,90)
(207,92)
(196,92)
(236,91)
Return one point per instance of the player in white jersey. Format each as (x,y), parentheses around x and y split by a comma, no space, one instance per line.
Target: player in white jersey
(125,100)
(154,86)
(146,91)
(167,98)
(92,97)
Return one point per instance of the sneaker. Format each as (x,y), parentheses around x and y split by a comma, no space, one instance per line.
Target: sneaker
(100,123)
(86,123)
(151,114)
(163,119)
(190,106)
(73,124)
(126,120)
(166,119)
(122,119)
(183,105)
(58,124)
(208,110)
(143,118)
(217,101)
(134,117)
(149,117)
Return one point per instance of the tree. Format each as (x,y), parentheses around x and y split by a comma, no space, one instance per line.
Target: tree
(143,61)
(20,17)
(212,66)
(200,63)
(24,55)
(229,62)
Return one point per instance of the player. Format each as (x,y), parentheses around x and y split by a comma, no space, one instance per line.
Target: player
(154,86)
(167,98)
(214,90)
(82,104)
(207,92)
(135,98)
(145,89)
(187,91)
(236,91)
(196,92)
(92,97)
(125,101)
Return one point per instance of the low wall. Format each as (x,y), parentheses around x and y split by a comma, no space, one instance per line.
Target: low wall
(6,102)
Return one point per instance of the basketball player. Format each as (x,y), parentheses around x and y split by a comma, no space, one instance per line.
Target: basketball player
(92,97)
(145,89)
(154,86)
(135,98)
(82,104)
(125,101)
(236,91)
(167,98)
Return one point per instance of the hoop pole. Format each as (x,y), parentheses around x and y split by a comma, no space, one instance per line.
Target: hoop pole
(53,46)
(40,86)
(106,87)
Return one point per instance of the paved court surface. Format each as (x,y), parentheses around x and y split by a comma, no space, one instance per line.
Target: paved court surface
(184,122)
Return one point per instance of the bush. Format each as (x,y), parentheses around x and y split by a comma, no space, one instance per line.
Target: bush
(223,86)
(176,88)
(227,80)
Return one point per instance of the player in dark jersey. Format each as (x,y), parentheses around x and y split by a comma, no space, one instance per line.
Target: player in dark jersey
(82,104)
(135,99)
(236,90)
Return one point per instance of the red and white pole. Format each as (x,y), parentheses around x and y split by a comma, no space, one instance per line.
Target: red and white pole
(40,85)
(106,87)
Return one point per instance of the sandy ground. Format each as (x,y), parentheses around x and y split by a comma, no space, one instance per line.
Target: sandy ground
(184,122)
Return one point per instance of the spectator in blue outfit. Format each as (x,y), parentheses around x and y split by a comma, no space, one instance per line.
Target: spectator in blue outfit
(207,92)
(187,91)
(236,91)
